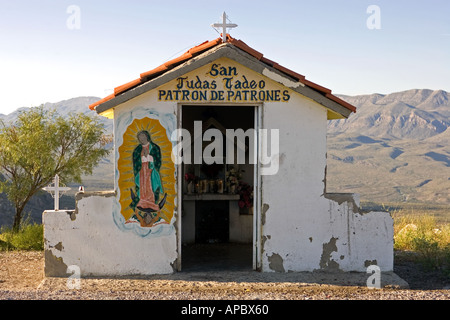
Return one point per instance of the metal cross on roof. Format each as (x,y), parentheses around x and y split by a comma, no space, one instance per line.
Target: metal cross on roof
(56,189)
(224,25)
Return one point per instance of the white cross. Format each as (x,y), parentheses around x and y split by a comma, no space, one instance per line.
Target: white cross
(56,188)
(224,25)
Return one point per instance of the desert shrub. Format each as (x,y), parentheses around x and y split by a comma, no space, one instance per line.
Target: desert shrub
(421,234)
(29,237)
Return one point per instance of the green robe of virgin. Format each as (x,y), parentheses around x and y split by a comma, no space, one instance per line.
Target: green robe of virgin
(156,183)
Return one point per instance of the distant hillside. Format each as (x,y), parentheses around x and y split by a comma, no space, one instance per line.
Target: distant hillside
(65,107)
(412,114)
(80,104)
(396,147)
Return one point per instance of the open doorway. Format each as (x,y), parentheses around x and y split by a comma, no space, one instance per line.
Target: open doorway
(217,223)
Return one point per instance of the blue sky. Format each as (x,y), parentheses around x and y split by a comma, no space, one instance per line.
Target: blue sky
(43,60)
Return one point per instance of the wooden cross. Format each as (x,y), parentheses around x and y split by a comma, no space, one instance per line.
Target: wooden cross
(224,25)
(56,188)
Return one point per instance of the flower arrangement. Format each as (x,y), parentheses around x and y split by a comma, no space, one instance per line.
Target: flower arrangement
(246,195)
(190,177)
(232,177)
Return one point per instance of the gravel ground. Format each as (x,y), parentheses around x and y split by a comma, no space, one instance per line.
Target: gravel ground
(21,278)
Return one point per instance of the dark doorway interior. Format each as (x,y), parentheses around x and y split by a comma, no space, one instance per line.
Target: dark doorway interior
(216,235)
(212,222)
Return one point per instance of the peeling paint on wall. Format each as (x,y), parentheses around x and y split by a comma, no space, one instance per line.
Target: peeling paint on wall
(265,207)
(326,262)
(344,197)
(73,215)
(263,241)
(54,266)
(370,262)
(276,263)
(283,80)
(59,246)
(84,195)
(174,265)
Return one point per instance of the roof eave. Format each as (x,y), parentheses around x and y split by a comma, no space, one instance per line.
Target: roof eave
(313,91)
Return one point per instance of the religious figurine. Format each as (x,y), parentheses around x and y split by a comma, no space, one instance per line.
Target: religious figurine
(219,184)
(212,186)
(204,186)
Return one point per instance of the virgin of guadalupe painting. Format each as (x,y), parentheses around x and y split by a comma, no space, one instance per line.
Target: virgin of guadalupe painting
(146,174)
(145,201)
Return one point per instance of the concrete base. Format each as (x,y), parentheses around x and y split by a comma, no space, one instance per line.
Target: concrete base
(230,262)
(389,280)
(233,262)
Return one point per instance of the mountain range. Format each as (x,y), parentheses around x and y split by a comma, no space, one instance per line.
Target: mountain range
(395,148)
(412,114)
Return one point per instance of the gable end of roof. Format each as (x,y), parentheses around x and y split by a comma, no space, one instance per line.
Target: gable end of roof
(234,49)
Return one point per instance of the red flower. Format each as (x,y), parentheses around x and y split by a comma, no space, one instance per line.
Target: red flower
(245,191)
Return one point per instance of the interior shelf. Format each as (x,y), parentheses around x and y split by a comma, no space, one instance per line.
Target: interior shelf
(210,196)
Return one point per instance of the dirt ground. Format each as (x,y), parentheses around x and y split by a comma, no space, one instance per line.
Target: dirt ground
(21,277)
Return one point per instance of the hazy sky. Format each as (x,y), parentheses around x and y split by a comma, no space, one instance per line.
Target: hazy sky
(51,50)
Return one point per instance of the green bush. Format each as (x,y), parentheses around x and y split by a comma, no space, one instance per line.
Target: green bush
(421,234)
(433,254)
(29,237)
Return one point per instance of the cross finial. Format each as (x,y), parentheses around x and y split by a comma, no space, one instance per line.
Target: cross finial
(224,25)
(56,189)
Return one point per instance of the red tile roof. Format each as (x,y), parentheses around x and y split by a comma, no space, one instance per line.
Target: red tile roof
(146,76)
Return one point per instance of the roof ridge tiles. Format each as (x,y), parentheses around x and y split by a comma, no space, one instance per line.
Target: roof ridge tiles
(185,56)
(206,45)
(243,46)
(118,90)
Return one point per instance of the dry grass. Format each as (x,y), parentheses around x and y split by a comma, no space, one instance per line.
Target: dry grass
(422,233)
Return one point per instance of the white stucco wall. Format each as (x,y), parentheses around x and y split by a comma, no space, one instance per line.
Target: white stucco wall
(93,242)
(303,230)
